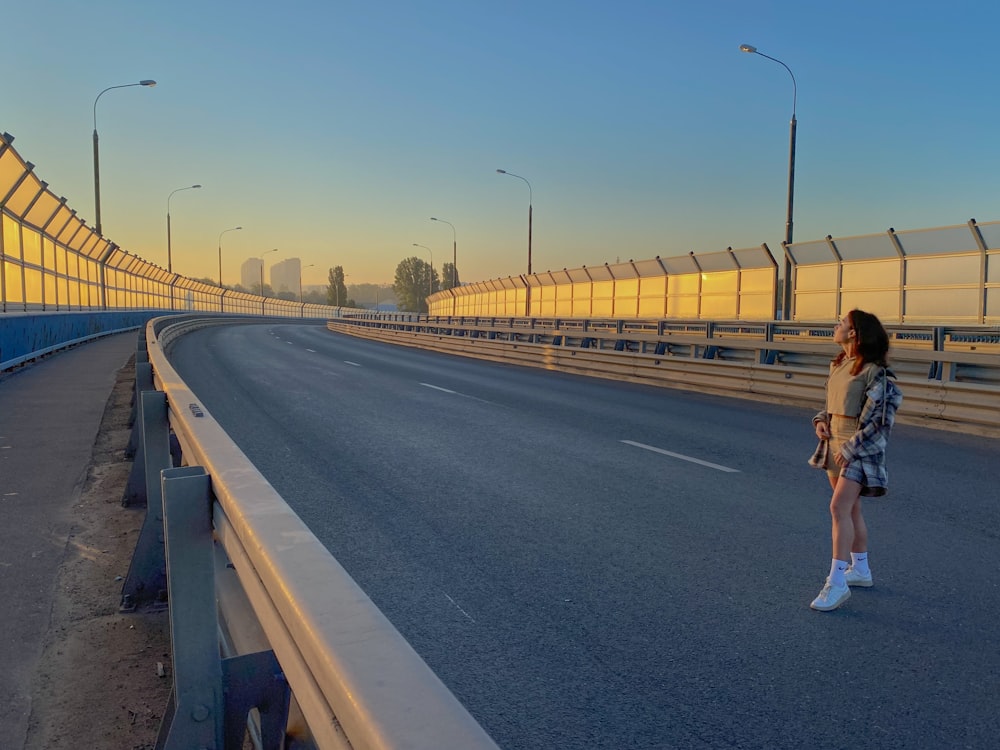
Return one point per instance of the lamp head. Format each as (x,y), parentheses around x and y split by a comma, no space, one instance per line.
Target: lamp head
(433,219)
(501,171)
(748,48)
(147,82)
(196,186)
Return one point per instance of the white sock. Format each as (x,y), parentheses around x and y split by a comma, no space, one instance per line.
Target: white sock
(859,561)
(837,570)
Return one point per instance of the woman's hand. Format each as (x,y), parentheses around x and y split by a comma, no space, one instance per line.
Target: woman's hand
(822,430)
(839,459)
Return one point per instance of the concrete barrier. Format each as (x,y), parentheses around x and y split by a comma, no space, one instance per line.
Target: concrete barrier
(28,336)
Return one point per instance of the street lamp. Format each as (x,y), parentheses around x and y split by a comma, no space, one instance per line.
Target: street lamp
(170,261)
(454,252)
(430,281)
(220,250)
(511,174)
(786,300)
(300,280)
(97,161)
(262,297)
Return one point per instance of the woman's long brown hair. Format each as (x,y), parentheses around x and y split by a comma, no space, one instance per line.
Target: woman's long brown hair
(871,342)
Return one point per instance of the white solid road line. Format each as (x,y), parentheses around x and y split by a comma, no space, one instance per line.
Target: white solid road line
(437,388)
(682,457)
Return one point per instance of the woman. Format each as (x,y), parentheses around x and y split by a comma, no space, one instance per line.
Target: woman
(861,403)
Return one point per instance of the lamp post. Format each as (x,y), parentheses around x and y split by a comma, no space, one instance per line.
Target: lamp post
(454,251)
(300,280)
(430,281)
(170,260)
(97,161)
(262,277)
(511,174)
(786,298)
(220,250)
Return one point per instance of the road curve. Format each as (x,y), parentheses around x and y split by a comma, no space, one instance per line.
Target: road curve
(589,564)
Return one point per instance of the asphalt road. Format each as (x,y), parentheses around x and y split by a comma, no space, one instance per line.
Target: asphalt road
(589,564)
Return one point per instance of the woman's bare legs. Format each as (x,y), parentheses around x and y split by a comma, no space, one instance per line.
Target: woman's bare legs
(845,506)
(860,543)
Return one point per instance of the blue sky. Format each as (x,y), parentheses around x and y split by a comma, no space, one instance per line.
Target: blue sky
(334,130)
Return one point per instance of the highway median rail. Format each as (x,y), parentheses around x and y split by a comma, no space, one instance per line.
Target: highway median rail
(950,376)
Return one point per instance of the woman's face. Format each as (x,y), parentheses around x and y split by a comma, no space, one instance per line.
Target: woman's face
(844,330)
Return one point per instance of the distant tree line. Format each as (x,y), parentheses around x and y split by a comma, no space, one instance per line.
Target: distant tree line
(414,282)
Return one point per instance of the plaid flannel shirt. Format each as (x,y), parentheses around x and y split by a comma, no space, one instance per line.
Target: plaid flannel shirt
(865,451)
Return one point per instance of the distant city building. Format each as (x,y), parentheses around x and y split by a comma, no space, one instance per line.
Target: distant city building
(286,275)
(250,273)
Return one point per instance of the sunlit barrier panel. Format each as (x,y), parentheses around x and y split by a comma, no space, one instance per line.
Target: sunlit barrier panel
(873,286)
(49,293)
(643,298)
(516,299)
(543,301)
(33,288)
(12,169)
(816,291)
(13,291)
(581,302)
(564,295)
(683,295)
(756,293)
(31,246)
(25,193)
(720,295)
(603,302)
(991,290)
(43,209)
(938,289)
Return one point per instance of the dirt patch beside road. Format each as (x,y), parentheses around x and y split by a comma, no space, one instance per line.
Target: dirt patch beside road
(98,685)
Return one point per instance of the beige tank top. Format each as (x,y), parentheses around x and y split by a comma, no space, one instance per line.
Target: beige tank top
(845,393)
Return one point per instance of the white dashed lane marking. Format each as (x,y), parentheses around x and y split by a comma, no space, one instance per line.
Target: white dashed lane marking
(458,607)
(437,388)
(681,456)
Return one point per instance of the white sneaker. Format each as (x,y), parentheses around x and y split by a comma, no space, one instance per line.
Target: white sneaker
(854,578)
(831,597)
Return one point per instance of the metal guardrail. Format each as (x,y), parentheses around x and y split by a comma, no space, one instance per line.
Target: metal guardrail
(945,387)
(306,647)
